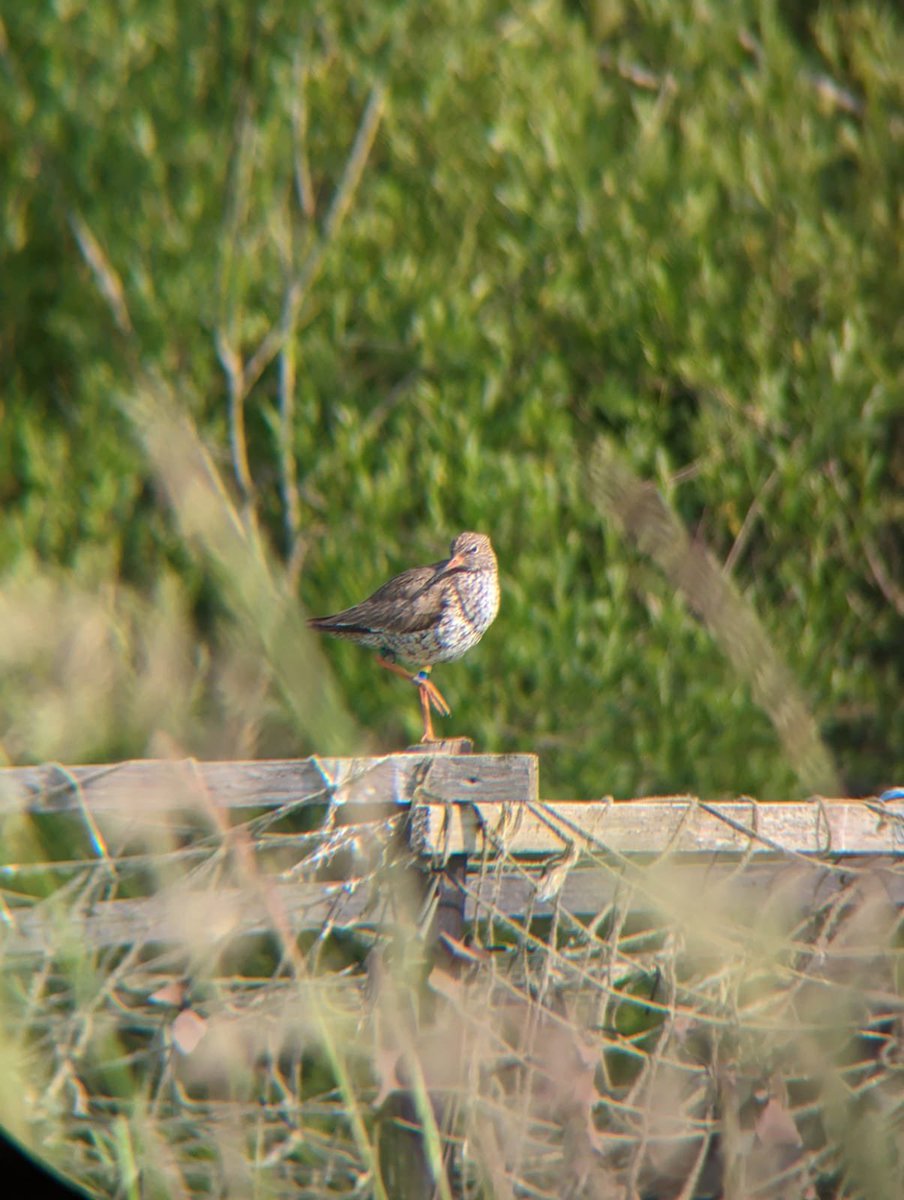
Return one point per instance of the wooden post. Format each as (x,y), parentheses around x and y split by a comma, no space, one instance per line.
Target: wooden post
(404,1159)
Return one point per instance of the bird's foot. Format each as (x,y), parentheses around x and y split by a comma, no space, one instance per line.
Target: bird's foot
(434,696)
(429,694)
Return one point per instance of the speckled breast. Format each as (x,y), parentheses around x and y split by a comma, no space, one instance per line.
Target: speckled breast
(470,607)
(470,604)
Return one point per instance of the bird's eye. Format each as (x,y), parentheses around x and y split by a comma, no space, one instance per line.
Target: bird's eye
(472,549)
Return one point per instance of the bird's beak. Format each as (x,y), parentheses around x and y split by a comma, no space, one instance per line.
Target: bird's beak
(451,564)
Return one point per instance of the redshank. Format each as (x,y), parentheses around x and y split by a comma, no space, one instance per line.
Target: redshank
(425,616)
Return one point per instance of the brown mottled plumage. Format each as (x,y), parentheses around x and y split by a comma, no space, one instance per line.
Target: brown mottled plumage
(426,615)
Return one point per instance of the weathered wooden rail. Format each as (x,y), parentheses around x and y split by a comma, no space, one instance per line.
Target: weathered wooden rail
(469,808)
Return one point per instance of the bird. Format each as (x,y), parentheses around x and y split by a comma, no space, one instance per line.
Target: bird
(426,615)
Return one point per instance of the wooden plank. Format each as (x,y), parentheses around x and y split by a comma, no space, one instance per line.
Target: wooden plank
(181,916)
(157,785)
(742,892)
(673,825)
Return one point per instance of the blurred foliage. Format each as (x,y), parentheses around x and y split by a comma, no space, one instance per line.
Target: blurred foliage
(402,265)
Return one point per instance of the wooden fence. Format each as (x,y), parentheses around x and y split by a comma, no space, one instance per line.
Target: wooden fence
(132,854)
(467,807)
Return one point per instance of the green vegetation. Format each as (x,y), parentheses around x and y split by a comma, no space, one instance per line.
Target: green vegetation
(402,266)
(291,294)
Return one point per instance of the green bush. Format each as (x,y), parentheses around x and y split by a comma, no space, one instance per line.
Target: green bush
(672,225)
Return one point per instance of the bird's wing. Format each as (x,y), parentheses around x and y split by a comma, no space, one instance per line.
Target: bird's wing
(405,604)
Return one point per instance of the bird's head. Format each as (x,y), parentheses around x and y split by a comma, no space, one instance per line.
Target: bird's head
(470,552)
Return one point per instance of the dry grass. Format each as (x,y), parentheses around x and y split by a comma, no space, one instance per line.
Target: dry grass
(175,1021)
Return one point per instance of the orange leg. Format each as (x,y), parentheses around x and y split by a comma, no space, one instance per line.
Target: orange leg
(428,734)
(428,693)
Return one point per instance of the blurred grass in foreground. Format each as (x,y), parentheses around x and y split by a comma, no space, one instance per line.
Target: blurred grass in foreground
(198,1000)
